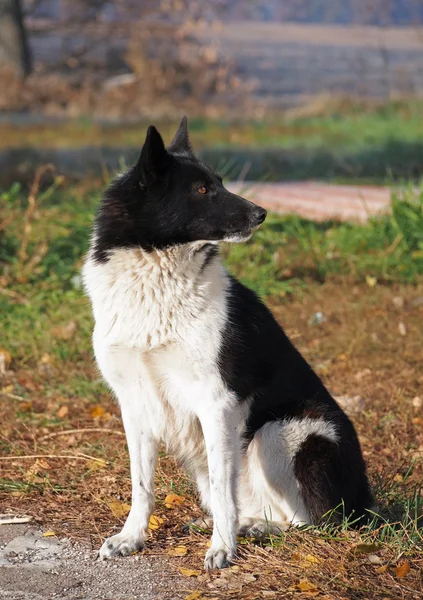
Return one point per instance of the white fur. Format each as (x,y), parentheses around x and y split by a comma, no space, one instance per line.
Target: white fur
(159,320)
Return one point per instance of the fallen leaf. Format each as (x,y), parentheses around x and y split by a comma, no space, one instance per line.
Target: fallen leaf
(382,569)
(172,500)
(371,281)
(45,359)
(417,402)
(306,586)
(63,412)
(189,572)
(248,578)
(194,596)
(25,406)
(364,549)
(65,332)
(49,533)
(312,559)
(155,522)
(178,551)
(403,569)
(97,411)
(351,404)
(119,509)
(96,465)
(402,329)
(7,389)
(374,559)
(398,301)
(362,374)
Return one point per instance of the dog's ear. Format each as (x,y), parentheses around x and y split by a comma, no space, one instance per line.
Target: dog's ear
(154,159)
(180,142)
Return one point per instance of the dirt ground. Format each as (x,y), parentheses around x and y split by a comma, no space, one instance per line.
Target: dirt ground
(64,462)
(33,567)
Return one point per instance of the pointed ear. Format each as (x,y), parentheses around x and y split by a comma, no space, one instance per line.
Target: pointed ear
(154,158)
(180,142)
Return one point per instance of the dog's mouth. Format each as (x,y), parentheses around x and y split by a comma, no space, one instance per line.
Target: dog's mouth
(239,236)
(242,235)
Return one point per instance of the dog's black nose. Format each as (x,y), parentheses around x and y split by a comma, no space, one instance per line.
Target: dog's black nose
(260,214)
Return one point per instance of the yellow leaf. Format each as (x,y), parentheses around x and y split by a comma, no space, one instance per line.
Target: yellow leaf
(364,549)
(95,465)
(178,551)
(119,509)
(194,596)
(155,522)
(189,572)
(62,412)
(306,586)
(402,569)
(312,559)
(7,389)
(371,281)
(97,411)
(172,500)
(382,569)
(49,533)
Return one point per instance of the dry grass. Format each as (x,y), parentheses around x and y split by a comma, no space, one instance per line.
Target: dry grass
(358,351)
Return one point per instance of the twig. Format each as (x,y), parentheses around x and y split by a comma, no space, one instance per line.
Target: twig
(29,213)
(68,456)
(12,519)
(13,396)
(88,430)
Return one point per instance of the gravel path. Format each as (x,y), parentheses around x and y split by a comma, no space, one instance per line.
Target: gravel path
(33,567)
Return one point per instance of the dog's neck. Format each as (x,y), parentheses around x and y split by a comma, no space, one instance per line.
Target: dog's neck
(182,268)
(166,289)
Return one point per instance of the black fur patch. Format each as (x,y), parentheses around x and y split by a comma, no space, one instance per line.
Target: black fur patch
(331,476)
(210,252)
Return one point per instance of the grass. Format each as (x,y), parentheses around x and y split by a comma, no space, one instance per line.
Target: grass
(366,279)
(350,141)
(356,125)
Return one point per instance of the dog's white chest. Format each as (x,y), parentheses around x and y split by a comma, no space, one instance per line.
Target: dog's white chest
(150,301)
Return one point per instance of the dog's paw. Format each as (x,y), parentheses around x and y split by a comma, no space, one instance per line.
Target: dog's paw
(218,558)
(122,544)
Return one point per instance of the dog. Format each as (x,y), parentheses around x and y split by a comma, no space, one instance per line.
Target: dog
(199,363)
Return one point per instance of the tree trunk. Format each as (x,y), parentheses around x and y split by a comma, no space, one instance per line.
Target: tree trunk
(14,48)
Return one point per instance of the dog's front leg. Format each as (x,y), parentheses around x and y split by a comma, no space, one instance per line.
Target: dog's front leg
(143,449)
(223,449)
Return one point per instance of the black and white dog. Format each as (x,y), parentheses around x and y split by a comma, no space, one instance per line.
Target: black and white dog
(198,362)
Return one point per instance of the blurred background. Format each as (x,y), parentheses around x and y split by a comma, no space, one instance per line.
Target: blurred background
(278,90)
(311,107)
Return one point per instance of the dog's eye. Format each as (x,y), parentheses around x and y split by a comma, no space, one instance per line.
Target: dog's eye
(202,189)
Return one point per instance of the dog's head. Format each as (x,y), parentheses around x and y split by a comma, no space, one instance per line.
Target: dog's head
(170,198)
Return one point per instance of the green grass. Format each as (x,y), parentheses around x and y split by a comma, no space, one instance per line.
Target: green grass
(353,126)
